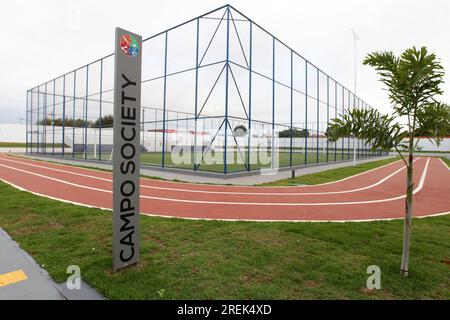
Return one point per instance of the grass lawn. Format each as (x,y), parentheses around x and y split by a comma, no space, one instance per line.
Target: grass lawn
(185,259)
(446,161)
(24,145)
(333,174)
(336,174)
(417,151)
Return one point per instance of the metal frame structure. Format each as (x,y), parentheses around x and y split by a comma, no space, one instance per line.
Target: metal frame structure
(220,69)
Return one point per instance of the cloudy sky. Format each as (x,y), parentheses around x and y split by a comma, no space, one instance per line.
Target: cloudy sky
(43,39)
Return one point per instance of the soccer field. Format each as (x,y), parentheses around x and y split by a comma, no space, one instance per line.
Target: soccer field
(235,161)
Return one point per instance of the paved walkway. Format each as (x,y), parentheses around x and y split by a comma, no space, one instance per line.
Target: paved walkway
(21,278)
(215,178)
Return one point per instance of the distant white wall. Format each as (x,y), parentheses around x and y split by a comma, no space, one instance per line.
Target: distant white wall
(153,140)
(11,132)
(427,145)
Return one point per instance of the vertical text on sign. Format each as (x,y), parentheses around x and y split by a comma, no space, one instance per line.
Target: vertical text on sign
(126,148)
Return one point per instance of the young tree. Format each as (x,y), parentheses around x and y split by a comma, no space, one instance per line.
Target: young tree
(293,133)
(413,81)
(105,121)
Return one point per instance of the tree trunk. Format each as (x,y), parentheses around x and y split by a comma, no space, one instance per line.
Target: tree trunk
(408,216)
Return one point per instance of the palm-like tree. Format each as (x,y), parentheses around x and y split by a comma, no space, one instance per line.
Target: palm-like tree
(413,81)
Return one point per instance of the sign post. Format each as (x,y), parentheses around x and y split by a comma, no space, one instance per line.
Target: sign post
(126,148)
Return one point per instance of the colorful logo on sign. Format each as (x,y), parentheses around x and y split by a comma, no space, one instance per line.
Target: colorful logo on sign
(129,45)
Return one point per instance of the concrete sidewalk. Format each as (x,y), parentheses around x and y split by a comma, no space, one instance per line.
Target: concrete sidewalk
(21,278)
(245,178)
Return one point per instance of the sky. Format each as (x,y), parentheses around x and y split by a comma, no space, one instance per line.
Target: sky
(44,39)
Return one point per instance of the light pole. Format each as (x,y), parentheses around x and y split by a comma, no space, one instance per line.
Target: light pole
(355,38)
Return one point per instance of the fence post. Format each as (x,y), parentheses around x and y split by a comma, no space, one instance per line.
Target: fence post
(328,110)
(86,114)
(272,150)
(196,96)
(306,132)
(292,109)
(100,120)
(38,120)
(318,115)
(64,116)
(164,102)
(26,122)
(250,98)
(225,167)
(73,112)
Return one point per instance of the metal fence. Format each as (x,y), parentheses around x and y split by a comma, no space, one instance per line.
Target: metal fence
(219,93)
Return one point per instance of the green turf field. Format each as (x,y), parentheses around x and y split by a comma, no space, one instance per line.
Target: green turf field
(234,160)
(234,165)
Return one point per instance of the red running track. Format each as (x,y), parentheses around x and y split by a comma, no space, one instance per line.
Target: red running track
(373,195)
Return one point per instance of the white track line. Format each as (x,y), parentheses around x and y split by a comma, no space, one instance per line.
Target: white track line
(227,220)
(60,170)
(419,188)
(53,198)
(445,165)
(215,185)
(224,192)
